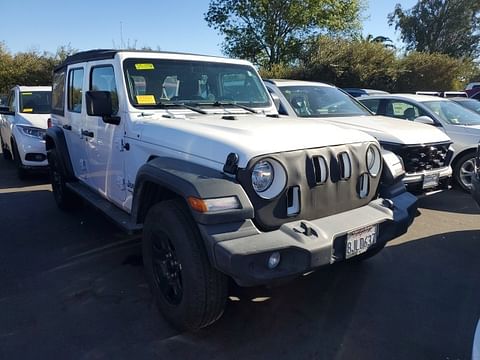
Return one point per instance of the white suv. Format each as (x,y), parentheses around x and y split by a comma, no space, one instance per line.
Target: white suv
(190,149)
(23,123)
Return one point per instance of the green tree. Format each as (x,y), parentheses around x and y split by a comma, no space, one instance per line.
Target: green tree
(449,27)
(271,32)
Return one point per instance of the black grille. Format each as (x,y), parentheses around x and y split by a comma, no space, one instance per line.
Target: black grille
(417,158)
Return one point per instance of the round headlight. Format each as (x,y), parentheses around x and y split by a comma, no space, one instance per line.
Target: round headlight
(374,160)
(262,176)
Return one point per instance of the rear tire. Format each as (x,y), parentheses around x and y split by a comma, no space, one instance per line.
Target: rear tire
(21,171)
(65,199)
(189,292)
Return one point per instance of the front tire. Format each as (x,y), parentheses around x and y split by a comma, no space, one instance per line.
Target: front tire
(7,155)
(189,292)
(21,171)
(464,170)
(65,199)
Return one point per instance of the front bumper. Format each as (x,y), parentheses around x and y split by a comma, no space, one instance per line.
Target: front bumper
(414,181)
(245,258)
(29,150)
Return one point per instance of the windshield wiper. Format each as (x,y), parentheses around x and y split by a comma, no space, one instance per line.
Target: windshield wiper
(228,103)
(189,107)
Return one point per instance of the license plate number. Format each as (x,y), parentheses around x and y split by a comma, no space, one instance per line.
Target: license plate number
(359,241)
(430,180)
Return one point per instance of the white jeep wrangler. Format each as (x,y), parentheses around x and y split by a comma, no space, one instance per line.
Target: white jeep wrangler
(190,149)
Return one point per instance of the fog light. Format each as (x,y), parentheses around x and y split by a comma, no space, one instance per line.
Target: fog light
(274,260)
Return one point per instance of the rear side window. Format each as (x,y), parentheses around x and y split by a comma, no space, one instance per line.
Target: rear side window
(58,92)
(102,78)
(372,104)
(75,82)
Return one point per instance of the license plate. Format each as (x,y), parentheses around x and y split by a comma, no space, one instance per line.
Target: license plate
(359,241)
(430,180)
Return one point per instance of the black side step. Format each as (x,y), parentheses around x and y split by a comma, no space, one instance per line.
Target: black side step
(118,216)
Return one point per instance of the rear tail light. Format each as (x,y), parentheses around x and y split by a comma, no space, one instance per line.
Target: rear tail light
(49,123)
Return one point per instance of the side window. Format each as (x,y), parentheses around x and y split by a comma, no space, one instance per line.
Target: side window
(402,110)
(75,83)
(58,92)
(372,104)
(102,78)
(11,101)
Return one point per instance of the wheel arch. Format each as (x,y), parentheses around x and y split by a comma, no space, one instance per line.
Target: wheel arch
(55,139)
(166,178)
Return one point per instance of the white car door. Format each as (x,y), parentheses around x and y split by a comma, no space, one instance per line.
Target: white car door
(6,121)
(104,146)
(72,126)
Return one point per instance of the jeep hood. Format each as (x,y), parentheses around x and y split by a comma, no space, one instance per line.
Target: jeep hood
(35,120)
(386,129)
(213,137)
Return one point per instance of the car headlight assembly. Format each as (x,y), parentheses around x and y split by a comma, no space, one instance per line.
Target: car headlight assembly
(268,178)
(32,131)
(374,160)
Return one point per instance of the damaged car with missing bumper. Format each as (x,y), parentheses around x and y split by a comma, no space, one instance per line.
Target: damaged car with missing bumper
(190,150)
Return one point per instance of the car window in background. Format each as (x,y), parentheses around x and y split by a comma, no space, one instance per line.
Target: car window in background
(321,101)
(372,104)
(402,110)
(453,113)
(35,102)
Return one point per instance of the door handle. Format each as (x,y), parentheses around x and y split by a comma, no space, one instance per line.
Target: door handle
(87,133)
(67,127)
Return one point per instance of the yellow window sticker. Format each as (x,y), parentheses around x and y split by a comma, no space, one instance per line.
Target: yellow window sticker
(146,100)
(144,66)
(26,93)
(27,110)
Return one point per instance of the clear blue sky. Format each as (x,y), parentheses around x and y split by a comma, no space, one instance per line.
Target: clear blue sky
(171,25)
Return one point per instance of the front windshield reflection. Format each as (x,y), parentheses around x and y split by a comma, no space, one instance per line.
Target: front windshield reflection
(321,101)
(452,113)
(155,83)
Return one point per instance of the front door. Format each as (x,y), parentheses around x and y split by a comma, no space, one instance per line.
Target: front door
(104,146)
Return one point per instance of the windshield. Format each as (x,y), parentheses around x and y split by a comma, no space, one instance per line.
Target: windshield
(321,101)
(453,113)
(35,102)
(471,104)
(153,83)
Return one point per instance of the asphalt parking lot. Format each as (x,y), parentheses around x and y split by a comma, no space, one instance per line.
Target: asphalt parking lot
(72,287)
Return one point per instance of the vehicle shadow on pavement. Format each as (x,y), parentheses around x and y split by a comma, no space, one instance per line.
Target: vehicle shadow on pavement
(9,178)
(453,200)
(416,300)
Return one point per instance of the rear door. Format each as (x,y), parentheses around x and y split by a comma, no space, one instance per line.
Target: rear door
(75,111)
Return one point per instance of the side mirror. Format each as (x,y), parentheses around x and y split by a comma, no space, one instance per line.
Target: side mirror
(276,100)
(425,120)
(4,110)
(99,103)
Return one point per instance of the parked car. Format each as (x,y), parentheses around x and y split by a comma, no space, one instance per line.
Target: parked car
(476,343)
(472,88)
(423,149)
(460,124)
(357,92)
(22,127)
(469,103)
(476,182)
(220,186)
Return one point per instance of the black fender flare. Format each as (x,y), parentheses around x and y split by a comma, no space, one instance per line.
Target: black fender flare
(185,179)
(55,139)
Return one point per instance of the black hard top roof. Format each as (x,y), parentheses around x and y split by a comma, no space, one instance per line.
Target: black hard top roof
(102,54)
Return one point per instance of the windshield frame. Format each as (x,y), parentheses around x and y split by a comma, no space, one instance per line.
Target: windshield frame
(160,102)
(475,117)
(363,110)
